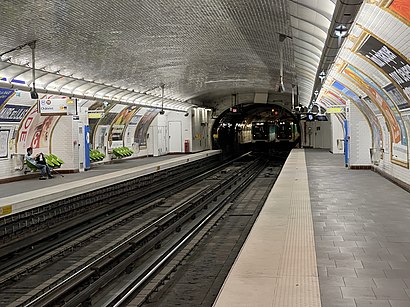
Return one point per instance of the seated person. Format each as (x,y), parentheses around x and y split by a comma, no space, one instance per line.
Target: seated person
(40,163)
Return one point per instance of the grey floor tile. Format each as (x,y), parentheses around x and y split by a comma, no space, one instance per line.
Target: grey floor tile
(376,264)
(399,303)
(368,230)
(349,264)
(372,303)
(331,238)
(342,272)
(358,292)
(326,263)
(359,282)
(372,273)
(397,273)
(330,292)
(399,265)
(341,256)
(332,302)
(333,281)
(354,249)
(389,283)
(366,257)
(390,293)
(354,238)
(389,257)
(372,244)
(345,244)
(324,244)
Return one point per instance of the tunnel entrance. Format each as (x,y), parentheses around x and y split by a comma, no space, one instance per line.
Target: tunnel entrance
(263,128)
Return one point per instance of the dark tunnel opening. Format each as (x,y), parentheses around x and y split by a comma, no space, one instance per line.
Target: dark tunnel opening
(260,128)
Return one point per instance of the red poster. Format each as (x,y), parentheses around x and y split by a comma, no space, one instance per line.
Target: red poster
(402,8)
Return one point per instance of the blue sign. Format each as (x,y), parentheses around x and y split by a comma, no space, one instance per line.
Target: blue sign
(13,113)
(87,147)
(5,94)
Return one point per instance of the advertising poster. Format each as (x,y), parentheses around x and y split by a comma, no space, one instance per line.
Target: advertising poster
(401,8)
(35,131)
(388,60)
(140,136)
(398,133)
(12,113)
(100,136)
(336,98)
(396,96)
(120,123)
(4,143)
(5,95)
(365,109)
(92,122)
(371,105)
(106,120)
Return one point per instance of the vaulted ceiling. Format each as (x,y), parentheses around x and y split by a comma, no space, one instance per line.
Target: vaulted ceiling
(124,50)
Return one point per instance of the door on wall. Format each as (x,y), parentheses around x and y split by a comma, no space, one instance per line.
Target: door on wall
(175,136)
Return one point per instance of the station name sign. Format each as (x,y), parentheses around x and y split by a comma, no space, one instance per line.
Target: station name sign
(57,107)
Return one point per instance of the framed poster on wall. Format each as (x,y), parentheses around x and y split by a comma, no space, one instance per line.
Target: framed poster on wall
(4,143)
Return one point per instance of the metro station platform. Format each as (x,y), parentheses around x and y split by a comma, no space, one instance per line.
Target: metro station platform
(30,193)
(327,236)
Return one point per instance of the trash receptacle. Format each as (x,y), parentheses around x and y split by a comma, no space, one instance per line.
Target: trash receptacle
(18,160)
(375,156)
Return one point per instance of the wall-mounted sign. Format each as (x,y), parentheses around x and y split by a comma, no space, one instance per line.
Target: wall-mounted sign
(95,114)
(334,110)
(388,60)
(57,106)
(4,141)
(13,113)
(5,94)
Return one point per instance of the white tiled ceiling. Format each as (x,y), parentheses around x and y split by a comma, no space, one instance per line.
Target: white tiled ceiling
(193,47)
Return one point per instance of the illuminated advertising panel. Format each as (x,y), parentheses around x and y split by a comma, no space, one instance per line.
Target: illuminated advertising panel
(399,152)
(388,60)
(35,131)
(401,8)
(4,143)
(140,136)
(120,123)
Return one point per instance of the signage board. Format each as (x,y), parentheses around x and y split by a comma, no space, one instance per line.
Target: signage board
(334,110)
(392,63)
(57,106)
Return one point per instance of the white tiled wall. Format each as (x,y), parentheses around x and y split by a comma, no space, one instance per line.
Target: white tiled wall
(359,137)
(8,165)
(400,172)
(337,135)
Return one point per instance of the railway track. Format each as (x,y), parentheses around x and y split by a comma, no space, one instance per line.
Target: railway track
(73,273)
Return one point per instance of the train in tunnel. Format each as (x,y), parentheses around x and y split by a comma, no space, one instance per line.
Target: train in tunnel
(258,127)
(267,131)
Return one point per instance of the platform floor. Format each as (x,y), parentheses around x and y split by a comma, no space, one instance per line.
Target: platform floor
(31,184)
(327,236)
(362,234)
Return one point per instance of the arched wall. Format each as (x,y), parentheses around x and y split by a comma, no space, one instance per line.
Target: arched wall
(372,72)
(112,125)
